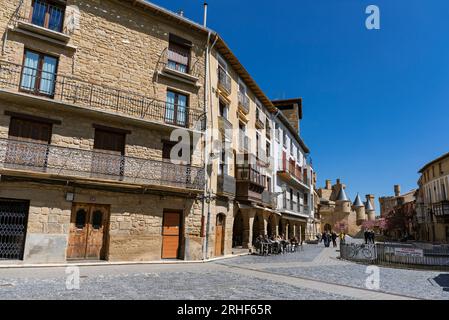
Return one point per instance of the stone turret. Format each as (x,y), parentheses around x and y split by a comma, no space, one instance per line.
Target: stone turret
(369,207)
(359,208)
(343,202)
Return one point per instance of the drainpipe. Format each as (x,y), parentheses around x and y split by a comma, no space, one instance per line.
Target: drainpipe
(207,193)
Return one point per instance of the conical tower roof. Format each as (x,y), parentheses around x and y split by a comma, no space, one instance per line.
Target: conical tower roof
(369,206)
(342,196)
(358,203)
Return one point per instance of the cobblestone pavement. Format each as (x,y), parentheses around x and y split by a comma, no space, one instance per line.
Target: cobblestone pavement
(314,273)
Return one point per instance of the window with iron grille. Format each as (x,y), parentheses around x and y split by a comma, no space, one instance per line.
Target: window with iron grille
(47,14)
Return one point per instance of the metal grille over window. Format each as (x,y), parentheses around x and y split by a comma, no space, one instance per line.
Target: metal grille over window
(13,223)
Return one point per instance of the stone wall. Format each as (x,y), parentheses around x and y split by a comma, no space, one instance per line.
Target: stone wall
(135,228)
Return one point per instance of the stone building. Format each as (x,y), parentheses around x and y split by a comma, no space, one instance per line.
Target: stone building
(131,133)
(432,203)
(90,93)
(337,212)
(387,204)
(294,185)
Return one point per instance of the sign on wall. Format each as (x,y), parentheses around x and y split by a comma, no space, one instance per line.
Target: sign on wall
(408,252)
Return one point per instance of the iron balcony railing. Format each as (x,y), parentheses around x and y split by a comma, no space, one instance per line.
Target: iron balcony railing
(96,164)
(45,14)
(243,102)
(224,80)
(68,89)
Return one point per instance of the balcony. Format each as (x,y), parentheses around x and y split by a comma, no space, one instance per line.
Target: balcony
(260,124)
(53,162)
(224,81)
(291,173)
(441,211)
(268,132)
(226,185)
(225,127)
(250,183)
(72,92)
(243,103)
(189,74)
(44,18)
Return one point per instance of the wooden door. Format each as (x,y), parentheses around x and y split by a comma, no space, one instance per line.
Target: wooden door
(219,236)
(171,235)
(88,232)
(97,231)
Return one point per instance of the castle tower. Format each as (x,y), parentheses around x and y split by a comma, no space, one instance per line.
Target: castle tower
(343,202)
(359,208)
(369,207)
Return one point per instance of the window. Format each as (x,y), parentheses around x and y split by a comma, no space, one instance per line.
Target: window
(277,131)
(47,14)
(269,184)
(109,147)
(179,54)
(258,151)
(242,87)
(224,109)
(443,192)
(268,146)
(176,109)
(28,143)
(39,73)
(97,220)
(292,148)
(223,167)
(80,219)
(284,139)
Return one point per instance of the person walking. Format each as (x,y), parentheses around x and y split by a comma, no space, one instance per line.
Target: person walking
(334,239)
(342,238)
(366,234)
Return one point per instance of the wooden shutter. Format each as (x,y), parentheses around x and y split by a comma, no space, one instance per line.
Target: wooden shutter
(109,141)
(31,131)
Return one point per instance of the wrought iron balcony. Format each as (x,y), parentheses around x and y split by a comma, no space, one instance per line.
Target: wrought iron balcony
(70,90)
(243,102)
(224,81)
(64,162)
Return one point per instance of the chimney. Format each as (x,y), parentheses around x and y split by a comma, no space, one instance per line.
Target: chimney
(205,15)
(328,185)
(338,181)
(292,110)
(181,13)
(397,190)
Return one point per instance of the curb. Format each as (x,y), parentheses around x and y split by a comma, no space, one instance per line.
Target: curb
(108,264)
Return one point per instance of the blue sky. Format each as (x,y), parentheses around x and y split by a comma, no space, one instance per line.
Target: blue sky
(376,102)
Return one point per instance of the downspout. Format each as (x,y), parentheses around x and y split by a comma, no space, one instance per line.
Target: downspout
(207,193)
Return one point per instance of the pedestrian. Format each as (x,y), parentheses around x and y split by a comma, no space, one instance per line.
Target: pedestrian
(372,237)
(326,239)
(366,234)
(342,237)
(334,239)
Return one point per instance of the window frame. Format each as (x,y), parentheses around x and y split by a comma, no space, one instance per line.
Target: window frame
(38,77)
(175,109)
(47,14)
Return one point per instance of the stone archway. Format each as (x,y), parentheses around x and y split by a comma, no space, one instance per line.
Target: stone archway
(237,231)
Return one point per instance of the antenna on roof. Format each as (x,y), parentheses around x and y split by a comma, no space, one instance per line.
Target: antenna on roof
(205,14)
(181,13)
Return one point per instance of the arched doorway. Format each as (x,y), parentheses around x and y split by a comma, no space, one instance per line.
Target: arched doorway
(281,228)
(220,235)
(237,231)
(328,227)
(256,231)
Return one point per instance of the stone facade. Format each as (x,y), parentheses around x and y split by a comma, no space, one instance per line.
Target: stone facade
(110,48)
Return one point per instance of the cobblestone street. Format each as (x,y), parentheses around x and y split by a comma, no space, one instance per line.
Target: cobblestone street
(315,273)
